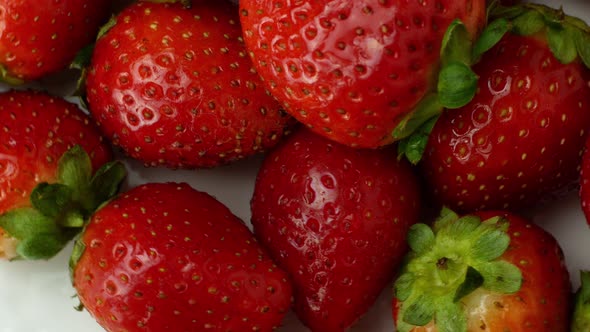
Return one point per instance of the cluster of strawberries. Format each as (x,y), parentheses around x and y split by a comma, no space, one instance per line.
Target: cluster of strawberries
(374,115)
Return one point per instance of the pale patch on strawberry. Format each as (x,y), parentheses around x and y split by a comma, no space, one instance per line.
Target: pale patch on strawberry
(7,246)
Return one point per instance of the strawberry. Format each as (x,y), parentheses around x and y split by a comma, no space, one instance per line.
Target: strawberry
(352,70)
(166,257)
(173,86)
(335,218)
(34,34)
(585,181)
(49,151)
(490,271)
(520,139)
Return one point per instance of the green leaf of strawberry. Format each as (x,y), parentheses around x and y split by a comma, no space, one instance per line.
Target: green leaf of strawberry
(457,85)
(465,270)
(51,190)
(60,209)
(451,260)
(52,200)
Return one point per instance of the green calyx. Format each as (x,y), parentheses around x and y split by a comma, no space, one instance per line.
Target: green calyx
(568,37)
(581,320)
(449,261)
(59,210)
(456,86)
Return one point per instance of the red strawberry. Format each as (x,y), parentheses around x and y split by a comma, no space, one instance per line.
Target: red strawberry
(352,70)
(585,181)
(520,138)
(174,86)
(492,271)
(335,218)
(42,37)
(165,257)
(44,139)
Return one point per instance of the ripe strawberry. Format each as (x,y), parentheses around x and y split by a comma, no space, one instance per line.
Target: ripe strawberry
(165,257)
(34,34)
(520,138)
(44,139)
(174,86)
(335,218)
(491,271)
(352,70)
(585,181)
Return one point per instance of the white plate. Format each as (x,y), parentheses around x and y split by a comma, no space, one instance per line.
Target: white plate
(37,296)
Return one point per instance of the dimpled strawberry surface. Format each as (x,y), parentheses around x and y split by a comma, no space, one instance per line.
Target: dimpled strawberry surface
(37,296)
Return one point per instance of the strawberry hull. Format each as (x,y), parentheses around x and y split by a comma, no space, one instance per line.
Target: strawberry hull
(537,299)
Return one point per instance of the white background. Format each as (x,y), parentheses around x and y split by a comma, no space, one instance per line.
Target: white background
(37,296)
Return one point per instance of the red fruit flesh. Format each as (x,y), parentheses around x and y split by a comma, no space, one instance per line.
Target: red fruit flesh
(35,131)
(335,218)
(351,70)
(520,138)
(174,86)
(34,34)
(165,257)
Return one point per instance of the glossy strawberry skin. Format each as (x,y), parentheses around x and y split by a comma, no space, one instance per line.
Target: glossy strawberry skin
(351,70)
(34,34)
(585,182)
(174,86)
(542,303)
(36,129)
(165,257)
(521,137)
(335,218)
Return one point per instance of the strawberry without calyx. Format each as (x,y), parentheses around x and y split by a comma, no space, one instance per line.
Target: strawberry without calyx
(491,271)
(335,218)
(520,139)
(352,70)
(49,151)
(174,86)
(34,34)
(165,257)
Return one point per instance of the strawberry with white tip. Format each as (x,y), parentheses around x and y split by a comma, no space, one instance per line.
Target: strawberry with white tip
(490,271)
